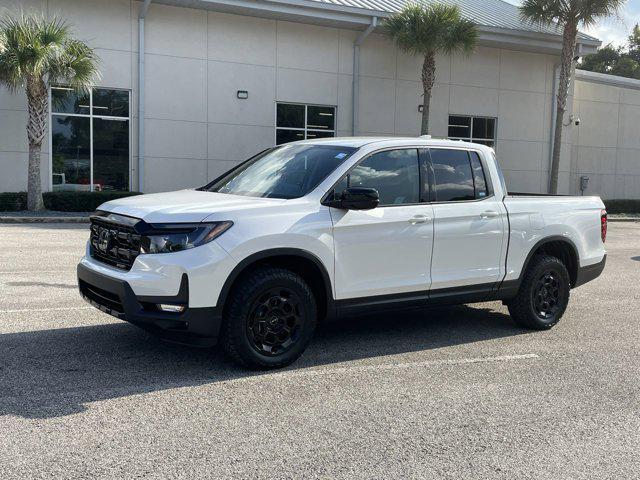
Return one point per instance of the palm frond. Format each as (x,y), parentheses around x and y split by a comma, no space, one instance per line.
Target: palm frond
(576,12)
(36,47)
(590,11)
(545,11)
(429,29)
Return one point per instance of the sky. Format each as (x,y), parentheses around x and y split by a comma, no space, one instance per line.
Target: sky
(614,30)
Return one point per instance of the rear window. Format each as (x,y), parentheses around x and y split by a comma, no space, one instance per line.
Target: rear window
(453,177)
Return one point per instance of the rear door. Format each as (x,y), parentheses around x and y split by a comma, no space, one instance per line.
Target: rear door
(386,250)
(469,222)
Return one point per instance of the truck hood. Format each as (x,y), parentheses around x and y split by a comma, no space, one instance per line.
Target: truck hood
(183,206)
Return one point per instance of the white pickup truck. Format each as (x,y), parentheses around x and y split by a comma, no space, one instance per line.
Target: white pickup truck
(325,228)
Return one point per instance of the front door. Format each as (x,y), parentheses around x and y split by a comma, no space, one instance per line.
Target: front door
(386,250)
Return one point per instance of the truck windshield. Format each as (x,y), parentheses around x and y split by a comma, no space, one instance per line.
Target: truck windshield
(288,171)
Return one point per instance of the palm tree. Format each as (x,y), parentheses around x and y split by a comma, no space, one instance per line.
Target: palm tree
(35,53)
(429,30)
(569,15)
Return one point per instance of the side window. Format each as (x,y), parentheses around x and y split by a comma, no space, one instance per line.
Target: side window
(453,175)
(478,176)
(394,173)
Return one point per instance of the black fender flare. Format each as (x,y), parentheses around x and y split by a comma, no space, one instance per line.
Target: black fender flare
(279,252)
(509,288)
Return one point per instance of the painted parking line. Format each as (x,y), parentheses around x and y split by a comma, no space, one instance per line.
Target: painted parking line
(384,367)
(51,309)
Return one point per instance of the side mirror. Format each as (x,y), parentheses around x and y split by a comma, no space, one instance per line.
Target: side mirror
(357,198)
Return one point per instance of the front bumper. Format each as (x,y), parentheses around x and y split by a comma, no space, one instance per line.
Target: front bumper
(194,326)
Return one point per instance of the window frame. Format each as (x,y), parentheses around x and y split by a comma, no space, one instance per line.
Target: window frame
(471,138)
(427,190)
(90,116)
(483,163)
(422,174)
(306,119)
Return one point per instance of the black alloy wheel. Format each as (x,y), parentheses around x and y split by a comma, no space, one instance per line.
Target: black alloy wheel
(274,321)
(270,318)
(543,295)
(546,295)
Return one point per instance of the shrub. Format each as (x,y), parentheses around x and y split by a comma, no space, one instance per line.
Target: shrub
(80,201)
(13,201)
(622,206)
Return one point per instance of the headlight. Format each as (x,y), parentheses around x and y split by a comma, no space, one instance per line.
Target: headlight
(177,237)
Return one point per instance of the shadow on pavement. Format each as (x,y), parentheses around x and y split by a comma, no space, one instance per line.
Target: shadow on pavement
(52,373)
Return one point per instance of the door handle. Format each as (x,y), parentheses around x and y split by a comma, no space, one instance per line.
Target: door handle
(489,214)
(419,219)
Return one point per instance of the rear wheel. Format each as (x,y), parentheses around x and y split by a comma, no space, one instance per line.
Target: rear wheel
(270,320)
(543,295)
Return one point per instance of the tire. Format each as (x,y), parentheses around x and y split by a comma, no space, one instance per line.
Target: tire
(543,295)
(270,319)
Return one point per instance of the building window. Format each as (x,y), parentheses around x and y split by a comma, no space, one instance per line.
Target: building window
(300,122)
(90,139)
(473,129)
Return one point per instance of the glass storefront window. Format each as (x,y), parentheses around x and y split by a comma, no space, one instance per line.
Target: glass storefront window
(299,122)
(90,140)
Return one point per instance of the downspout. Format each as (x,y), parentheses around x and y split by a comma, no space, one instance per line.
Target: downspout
(141,52)
(554,116)
(356,73)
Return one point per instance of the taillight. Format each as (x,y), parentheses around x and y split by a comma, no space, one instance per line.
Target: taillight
(603,225)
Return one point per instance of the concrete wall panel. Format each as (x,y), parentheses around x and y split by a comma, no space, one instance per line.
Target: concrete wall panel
(225,79)
(521,116)
(304,86)
(176,88)
(99,23)
(176,139)
(234,143)
(307,47)
(180,32)
(166,174)
(377,105)
(235,38)
(480,69)
(523,71)
(474,101)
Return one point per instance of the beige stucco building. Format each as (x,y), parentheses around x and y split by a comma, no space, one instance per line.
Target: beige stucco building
(225,79)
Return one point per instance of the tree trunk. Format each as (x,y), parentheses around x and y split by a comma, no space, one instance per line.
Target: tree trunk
(428,79)
(566,69)
(36,130)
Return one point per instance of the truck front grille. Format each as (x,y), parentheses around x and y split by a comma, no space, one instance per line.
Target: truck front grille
(114,244)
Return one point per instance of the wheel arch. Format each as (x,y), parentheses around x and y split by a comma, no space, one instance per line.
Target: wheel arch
(302,262)
(557,246)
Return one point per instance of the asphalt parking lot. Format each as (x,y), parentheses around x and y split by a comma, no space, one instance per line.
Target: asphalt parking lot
(446,393)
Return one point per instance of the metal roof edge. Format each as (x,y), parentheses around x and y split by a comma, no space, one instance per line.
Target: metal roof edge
(358,17)
(606,79)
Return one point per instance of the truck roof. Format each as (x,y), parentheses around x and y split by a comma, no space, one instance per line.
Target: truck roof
(357,142)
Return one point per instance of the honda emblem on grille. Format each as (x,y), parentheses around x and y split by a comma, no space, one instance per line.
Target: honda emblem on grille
(104,239)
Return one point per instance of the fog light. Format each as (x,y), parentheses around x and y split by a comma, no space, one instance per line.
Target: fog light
(167,307)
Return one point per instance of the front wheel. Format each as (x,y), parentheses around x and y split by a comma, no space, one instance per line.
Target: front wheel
(270,320)
(543,295)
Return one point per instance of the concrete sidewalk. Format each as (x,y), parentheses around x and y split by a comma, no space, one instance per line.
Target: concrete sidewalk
(44,217)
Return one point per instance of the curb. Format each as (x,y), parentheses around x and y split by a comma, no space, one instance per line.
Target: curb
(44,219)
(632,219)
